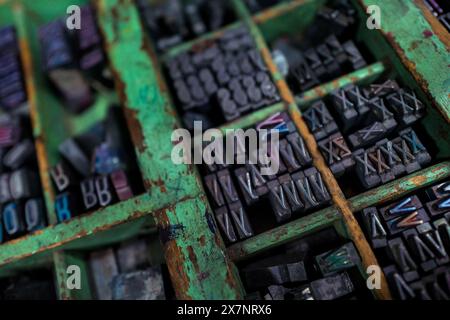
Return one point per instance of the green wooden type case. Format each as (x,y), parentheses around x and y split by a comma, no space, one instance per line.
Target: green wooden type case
(414,49)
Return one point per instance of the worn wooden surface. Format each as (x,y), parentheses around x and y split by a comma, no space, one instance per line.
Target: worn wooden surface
(199,265)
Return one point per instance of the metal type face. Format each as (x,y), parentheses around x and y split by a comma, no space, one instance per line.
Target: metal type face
(225,224)
(375,229)
(338,260)
(402,258)
(240,219)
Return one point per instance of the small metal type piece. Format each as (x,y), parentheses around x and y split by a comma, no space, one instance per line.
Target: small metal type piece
(251,183)
(291,193)
(439,206)
(354,55)
(438,191)
(10,133)
(104,269)
(421,250)
(337,154)
(400,285)
(288,156)
(417,148)
(12,217)
(304,76)
(320,122)
(34,214)
(71,151)
(88,193)
(400,255)
(432,237)
(227,185)
(337,260)
(392,158)
(275,271)
(401,208)
(345,108)
(332,287)
(336,49)
(279,121)
(225,224)
(121,185)
(375,229)
(382,113)
(329,61)
(299,147)
(5,192)
(62,177)
(65,206)
(365,170)
(240,220)
(406,106)
(278,201)
(368,135)
(213,187)
(384,89)
(421,290)
(408,221)
(24,184)
(139,285)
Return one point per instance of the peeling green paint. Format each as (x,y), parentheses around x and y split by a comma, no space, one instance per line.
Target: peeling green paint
(199,264)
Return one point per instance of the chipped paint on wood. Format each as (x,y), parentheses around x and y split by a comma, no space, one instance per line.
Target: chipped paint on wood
(356,77)
(278,10)
(55,236)
(198,270)
(339,200)
(284,234)
(427,58)
(401,187)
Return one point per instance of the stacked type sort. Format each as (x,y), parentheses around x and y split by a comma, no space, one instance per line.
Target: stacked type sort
(325,51)
(412,242)
(441,10)
(95,169)
(297,188)
(311,67)
(74,61)
(368,116)
(12,88)
(22,207)
(174,21)
(126,273)
(221,80)
(300,275)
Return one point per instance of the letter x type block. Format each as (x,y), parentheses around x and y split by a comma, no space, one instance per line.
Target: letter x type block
(320,122)
(337,154)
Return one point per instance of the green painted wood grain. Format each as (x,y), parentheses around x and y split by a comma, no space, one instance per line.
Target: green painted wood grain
(55,236)
(427,55)
(401,187)
(195,257)
(285,233)
(366,75)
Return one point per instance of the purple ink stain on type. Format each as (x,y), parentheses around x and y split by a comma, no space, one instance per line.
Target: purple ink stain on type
(427,33)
